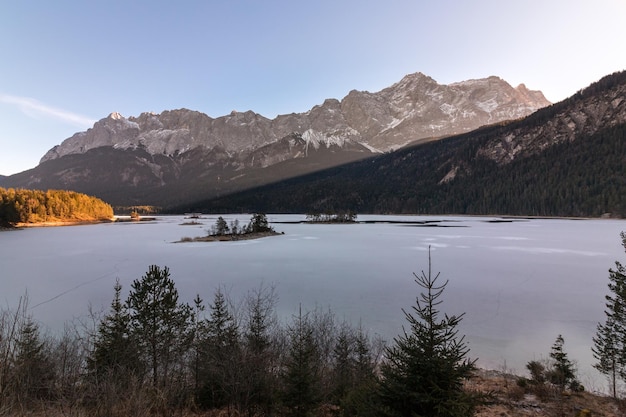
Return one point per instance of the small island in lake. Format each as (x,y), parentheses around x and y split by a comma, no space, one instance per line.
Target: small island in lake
(257,228)
(338,217)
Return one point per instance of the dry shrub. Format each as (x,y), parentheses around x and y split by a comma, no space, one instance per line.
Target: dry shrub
(516,393)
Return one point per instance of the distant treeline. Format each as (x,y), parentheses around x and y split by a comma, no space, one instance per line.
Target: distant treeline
(35,206)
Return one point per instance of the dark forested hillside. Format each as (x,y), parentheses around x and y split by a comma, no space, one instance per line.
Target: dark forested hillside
(580,178)
(568,159)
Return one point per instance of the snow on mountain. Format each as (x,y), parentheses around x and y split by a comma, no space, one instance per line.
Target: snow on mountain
(415,108)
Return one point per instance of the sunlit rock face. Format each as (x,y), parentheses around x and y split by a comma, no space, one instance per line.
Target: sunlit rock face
(180,155)
(413,109)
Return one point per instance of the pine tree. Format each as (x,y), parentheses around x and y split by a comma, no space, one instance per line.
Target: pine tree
(563,372)
(609,343)
(344,364)
(160,324)
(300,378)
(33,368)
(606,350)
(219,356)
(115,354)
(360,399)
(259,224)
(424,371)
(260,354)
(221,227)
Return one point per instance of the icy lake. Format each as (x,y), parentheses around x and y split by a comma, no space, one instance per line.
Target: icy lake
(520,282)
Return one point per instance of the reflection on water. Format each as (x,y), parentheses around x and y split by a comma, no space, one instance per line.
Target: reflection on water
(521,282)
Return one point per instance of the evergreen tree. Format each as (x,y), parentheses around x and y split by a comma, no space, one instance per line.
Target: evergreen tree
(260,355)
(344,364)
(360,398)
(160,324)
(300,378)
(199,329)
(114,364)
(221,227)
(563,372)
(424,371)
(606,350)
(33,367)
(609,343)
(220,352)
(259,224)
(114,353)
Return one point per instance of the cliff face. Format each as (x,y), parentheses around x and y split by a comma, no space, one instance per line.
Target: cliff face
(415,108)
(580,116)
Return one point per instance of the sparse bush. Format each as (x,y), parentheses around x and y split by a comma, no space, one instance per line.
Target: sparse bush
(537,372)
(523,382)
(516,393)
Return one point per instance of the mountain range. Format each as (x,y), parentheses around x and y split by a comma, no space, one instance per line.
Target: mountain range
(567,159)
(182,156)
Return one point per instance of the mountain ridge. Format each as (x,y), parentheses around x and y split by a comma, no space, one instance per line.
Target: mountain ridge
(563,160)
(184,155)
(180,130)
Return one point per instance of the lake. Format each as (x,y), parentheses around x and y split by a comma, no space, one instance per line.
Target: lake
(520,282)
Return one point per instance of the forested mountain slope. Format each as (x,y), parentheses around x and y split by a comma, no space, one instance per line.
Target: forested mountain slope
(568,159)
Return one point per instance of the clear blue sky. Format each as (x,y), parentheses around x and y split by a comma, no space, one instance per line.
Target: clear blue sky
(65,64)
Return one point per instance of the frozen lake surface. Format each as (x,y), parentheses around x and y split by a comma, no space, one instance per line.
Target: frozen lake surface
(520,282)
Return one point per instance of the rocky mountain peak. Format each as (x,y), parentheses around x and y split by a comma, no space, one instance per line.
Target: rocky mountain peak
(413,109)
(600,106)
(415,80)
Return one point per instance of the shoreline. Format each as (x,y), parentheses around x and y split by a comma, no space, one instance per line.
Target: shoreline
(57,223)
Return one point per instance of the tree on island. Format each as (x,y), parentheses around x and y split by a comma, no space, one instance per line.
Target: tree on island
(221,227)
(258,224)
(424,371)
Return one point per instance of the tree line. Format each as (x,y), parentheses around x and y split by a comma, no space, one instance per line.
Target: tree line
(154,354)
(258,224)
(34,206)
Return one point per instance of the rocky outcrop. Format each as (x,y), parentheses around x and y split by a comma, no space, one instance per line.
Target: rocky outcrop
(582,115)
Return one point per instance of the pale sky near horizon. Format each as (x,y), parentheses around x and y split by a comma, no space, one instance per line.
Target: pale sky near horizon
(65,64)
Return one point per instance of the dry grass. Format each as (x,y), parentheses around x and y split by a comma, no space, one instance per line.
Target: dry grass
(505,398)
(508,399)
